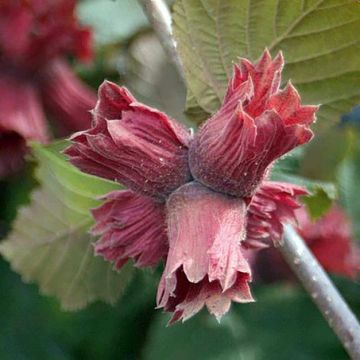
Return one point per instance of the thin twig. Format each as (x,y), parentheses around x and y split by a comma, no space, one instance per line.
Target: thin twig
(323,292)
(314,279)
(159,17)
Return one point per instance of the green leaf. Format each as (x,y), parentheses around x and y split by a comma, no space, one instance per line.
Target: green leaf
(325,153)
(318,203)
(50,244)
(321,193)
(319,39)
(33,326)
(348,179)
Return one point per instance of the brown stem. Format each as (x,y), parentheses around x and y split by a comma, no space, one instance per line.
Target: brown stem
(159,17)
(323,292)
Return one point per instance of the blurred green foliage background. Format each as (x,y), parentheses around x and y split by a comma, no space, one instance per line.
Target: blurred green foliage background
(282,324)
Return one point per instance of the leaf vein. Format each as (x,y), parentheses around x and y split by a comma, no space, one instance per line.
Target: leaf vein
(319,31)
(280,38)
(328,52)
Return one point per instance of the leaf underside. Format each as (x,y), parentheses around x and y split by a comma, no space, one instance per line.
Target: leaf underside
(50,244)
(321,193)
(319,38)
